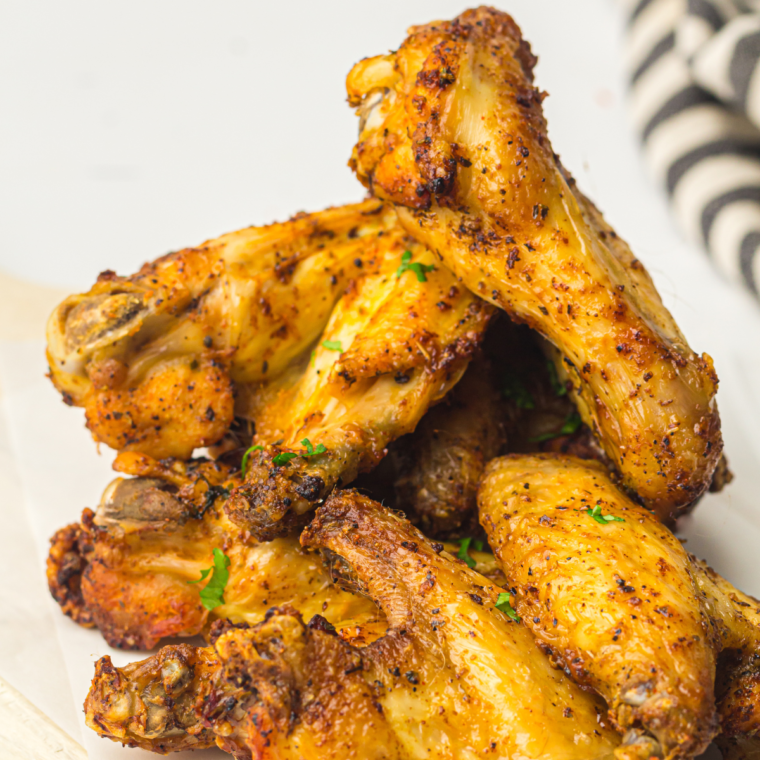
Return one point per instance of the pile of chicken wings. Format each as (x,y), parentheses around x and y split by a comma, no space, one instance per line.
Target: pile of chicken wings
(409,466)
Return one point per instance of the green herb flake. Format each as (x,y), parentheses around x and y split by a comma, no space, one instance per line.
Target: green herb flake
(503,605)
(407,265)
(596,514)
(332,345)
(246,457)
(463,553)
(560,389)
(212,594)
(283,458)
(569,426)
(514,390)
(313,357)
(311,451)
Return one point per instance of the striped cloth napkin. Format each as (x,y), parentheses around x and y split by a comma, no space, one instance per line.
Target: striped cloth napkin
(695,89)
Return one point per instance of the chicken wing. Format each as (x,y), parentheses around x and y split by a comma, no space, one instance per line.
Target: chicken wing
(452,132)
(453,678)
(736,617)
(157,358)
(128,567)
(608,592)
(510,400)
(437,468)
(395,344)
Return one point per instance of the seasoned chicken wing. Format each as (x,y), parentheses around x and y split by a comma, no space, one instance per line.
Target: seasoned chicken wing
(454,677)
(156,359)
(396,343)
(152,704)
(609,593)
(509,401)
(736,617)
(452,132)
(437,468)
(131,567)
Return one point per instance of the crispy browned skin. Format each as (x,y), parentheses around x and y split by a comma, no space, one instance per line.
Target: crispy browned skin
(126,568)
(453,678)
(453,133)
(152,704)
(157,358)
(279,689)
(440,464)
(506,402)
(402,345)
(615,604)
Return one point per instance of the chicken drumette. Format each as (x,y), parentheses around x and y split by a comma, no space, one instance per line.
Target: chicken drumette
(452,132)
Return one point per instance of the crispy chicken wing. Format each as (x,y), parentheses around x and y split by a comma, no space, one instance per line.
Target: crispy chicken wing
(127,568)
(437,468)
(453,678)
(395,344)
(509,400)
(157,358)
(634,646)
(609,593)
(452,132)
(736,617)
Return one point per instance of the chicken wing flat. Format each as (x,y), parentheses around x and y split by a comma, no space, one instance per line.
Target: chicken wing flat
(454,677)
(396,343)
(452,132)
(157,358)
(608,592)
(130,568)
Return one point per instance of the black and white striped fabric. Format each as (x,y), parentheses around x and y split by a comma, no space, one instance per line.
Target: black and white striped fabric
(695,90)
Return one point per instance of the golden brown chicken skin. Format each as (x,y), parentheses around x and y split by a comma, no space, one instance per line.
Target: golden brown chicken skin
(279,689)
(736,617)
(395,344)
(152,704)
(452,132)
(454,677)
(608,592)
(157,358)
(130,568)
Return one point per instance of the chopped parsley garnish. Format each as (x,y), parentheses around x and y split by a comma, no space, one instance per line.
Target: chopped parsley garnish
(503,605)
(569,426)
(283,458)
(332,345)
(246,457)
(560,389)
(311,451)
(464,549)
(212,594)
(407,265)
(313,357)
(514,390)
(596,514)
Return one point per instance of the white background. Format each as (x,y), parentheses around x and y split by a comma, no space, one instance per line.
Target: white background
(128,129)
